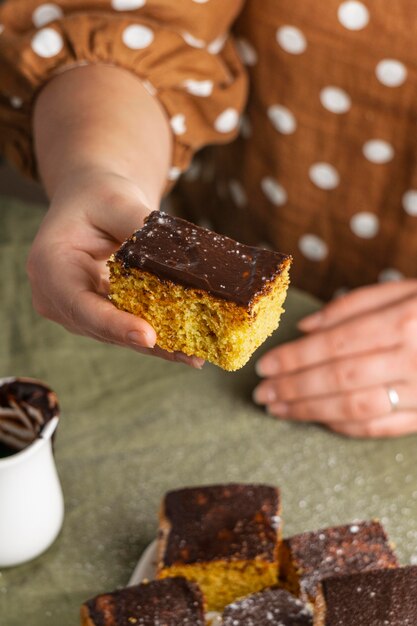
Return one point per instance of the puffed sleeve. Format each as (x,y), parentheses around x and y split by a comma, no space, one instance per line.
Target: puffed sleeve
(180,49)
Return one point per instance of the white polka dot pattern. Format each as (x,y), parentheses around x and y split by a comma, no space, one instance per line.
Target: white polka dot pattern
(211,109)
(47,43)
(127,5)
(174,173)
(365,225)
(137,36)
(178,124)
(282,119)
(391,73)
(353,15)
(149,87)
(227,121)
(291,39)
(324,175)
(246,51)
(335,100)
(192,41)
(378,151)
(390,274)
(274,191)
(16,102)
(410,202)
(313,247)
(194,171)
(203,88)
(217,44)
(46,13)
(238,193)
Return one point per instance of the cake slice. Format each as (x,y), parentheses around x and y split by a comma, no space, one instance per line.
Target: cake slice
(272,606)
(224,537)
(308,558)
(379,598)
(204,294)
(170,602)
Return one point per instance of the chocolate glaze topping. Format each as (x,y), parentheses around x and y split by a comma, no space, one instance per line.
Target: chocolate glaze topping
(168,602)
(379,598)
(339,550)
(234,522)
(176,250)
(25,407)
(270,606)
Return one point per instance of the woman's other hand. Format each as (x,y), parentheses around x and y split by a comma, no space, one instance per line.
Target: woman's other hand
(355,368)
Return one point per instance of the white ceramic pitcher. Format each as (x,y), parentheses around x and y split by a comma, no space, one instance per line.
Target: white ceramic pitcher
(31,500)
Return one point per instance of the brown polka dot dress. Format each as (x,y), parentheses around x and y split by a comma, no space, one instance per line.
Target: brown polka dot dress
(294,120)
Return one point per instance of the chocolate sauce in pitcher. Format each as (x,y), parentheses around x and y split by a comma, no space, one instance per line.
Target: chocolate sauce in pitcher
(25,407)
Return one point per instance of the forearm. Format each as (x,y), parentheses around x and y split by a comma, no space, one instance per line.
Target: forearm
(101,118)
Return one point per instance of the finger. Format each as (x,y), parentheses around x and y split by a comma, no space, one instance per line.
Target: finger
(176,357)
(391,425)
(359,301)
(357,406)
(354,336)
(343,375)
(95,316)
(77,305)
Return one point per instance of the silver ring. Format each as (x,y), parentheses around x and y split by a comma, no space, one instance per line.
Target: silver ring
(394,398)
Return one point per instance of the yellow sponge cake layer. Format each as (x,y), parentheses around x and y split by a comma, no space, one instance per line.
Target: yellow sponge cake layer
(223,583)
(226,538)
(204,294)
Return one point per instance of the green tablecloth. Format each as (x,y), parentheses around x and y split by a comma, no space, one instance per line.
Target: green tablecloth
(134,427)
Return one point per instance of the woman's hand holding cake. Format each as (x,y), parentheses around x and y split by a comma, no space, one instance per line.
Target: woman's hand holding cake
(102,184)
(355,369)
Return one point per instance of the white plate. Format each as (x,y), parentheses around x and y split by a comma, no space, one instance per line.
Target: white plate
(146,569)
(146,566)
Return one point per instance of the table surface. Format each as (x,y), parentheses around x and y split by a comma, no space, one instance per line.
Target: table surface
(133,427)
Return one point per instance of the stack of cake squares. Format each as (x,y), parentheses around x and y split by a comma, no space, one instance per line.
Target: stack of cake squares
(222,560)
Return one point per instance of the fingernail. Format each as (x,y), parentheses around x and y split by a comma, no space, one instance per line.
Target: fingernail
(197,362)
(192,361)
(264,395)
(140,339)
(281,409)
(311,322)
(267,367)
(180,357)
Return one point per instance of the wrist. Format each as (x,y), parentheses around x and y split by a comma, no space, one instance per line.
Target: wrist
(82,128)
(96,189)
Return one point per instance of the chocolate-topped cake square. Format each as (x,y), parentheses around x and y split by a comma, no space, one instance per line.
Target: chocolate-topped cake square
(204,294)
(308,558)
(170,602)
(268,607)
(378,598)
(224,537)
